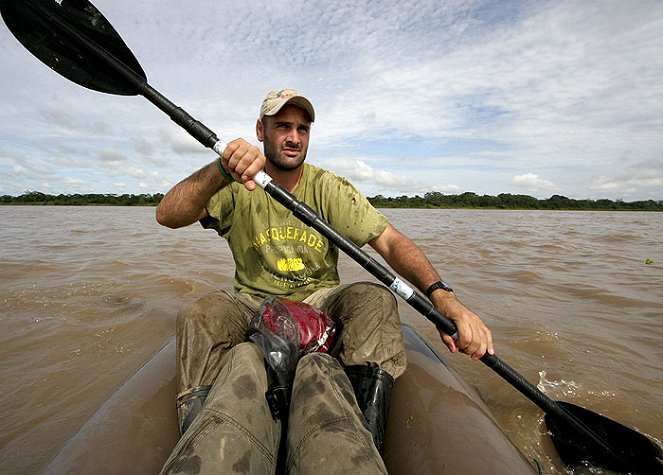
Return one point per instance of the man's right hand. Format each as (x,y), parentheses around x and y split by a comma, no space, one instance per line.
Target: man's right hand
(243,160)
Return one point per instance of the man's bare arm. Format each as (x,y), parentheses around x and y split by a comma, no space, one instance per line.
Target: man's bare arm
(185,202)
(405,257)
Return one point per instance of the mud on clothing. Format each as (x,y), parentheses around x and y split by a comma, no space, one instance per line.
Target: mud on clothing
(235,432)
(274,252)
(213,324)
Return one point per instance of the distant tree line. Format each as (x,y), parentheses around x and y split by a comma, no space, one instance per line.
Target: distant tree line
(94,199)
(429,200)
(509,201)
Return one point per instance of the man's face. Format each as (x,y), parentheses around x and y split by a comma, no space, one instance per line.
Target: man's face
(285,137)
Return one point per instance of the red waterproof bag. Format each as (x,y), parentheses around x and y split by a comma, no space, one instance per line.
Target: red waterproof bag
(308,328)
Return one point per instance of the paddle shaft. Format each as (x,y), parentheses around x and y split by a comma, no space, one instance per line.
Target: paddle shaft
(308,216)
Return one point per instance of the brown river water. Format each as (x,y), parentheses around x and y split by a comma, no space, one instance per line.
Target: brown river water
(87,294)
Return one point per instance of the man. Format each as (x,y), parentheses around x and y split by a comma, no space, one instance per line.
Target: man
(276,255)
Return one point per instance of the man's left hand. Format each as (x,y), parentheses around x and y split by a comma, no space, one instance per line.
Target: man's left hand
(474,337)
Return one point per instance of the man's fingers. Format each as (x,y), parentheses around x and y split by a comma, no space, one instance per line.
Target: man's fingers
(479,352)
(257,164)
(450,342)
(490,348)
(250,185)
(243,161)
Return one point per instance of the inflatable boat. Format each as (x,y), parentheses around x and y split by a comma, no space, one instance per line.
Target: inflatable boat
(437,424)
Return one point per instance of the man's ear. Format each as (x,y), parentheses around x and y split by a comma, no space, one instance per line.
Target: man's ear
(260,130)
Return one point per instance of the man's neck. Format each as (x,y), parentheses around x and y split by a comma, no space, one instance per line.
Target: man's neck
(288,179)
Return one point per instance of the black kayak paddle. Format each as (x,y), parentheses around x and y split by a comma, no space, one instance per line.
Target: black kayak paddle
(73,38)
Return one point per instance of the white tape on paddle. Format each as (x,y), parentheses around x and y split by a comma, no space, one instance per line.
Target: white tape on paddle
(261,178)
(219,147)
(401,288)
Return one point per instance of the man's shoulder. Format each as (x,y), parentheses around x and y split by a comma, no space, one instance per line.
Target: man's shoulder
(314,172)
(318,174)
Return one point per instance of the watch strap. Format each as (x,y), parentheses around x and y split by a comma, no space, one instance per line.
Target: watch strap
(440,284)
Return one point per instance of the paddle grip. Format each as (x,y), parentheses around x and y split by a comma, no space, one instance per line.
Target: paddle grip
(197,129)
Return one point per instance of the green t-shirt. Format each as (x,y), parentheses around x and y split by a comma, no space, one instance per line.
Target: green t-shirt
(274,252)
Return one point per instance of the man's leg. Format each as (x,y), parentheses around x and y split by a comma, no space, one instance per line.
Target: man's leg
(326,430)
(235,431)
(371,334)
(206,330)
(371,346)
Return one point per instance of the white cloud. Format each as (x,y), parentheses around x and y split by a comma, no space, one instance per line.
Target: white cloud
(20,170)
(112,156)
(642,175)
(360,172)
(181,144)
(533,182)
(449,189)
(75,182)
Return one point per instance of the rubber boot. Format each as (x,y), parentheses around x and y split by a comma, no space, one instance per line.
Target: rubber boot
(189,405)
(372,388)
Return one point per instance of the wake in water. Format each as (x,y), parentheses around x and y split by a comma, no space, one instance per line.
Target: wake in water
(570,389)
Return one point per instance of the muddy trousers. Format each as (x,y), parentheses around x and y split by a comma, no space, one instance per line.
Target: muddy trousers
(210,326)
(235,432)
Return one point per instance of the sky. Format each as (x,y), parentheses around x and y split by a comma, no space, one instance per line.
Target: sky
(411,96)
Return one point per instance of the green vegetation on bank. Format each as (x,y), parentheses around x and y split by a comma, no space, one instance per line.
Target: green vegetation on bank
(509,201)
(429,200)
(94,199)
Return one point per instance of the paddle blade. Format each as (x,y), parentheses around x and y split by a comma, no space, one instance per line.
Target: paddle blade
(74,39)
(639,454)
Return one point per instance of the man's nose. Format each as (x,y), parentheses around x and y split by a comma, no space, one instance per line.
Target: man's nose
(293,137)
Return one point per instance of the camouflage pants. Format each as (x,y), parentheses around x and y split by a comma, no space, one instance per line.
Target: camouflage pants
(235,432)
(213,324)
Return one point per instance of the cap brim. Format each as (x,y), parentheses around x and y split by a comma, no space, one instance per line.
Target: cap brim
(299,101)
(304,103)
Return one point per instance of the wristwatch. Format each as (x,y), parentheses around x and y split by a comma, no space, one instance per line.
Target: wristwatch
(440,284)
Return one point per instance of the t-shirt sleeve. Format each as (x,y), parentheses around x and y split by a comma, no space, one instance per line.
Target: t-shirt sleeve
(348,210)
(220,210)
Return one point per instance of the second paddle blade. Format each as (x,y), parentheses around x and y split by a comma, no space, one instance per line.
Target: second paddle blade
(639,454)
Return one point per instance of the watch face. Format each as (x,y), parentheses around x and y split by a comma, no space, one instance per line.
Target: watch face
(445,286)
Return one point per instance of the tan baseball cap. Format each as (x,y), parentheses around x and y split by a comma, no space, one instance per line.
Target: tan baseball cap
(275,100)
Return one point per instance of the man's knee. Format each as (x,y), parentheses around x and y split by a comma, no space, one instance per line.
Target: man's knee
(317,363)
(207,306)
(248,353)
(363,293)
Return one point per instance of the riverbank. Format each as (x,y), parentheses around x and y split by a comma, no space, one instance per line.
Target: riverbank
(432,200)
